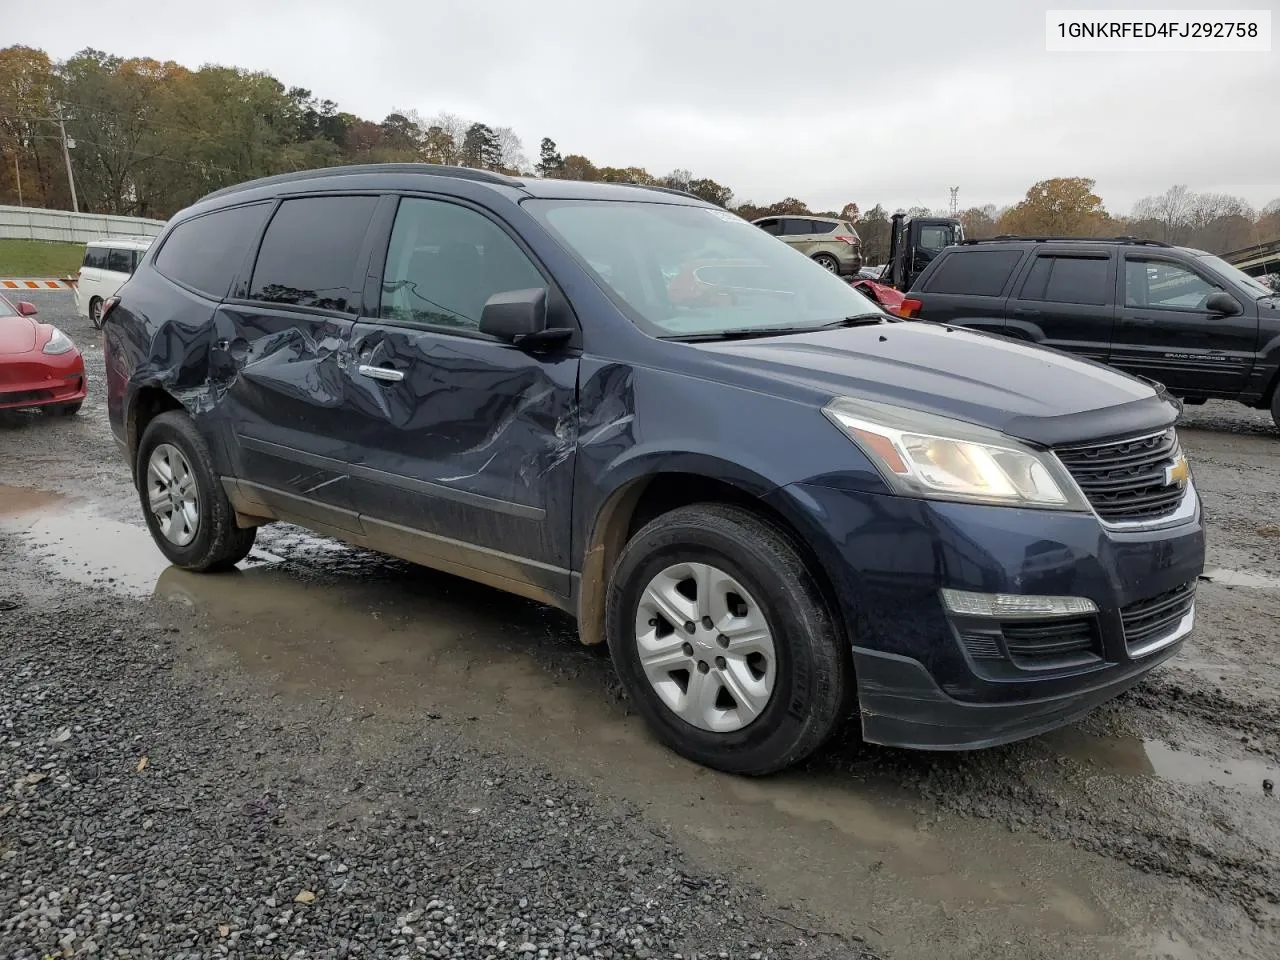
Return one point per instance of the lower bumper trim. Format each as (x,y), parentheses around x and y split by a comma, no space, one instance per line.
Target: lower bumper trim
(902,706)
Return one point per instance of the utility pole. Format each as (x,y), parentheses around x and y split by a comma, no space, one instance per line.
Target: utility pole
(66,155)
(955,203)
(17,174)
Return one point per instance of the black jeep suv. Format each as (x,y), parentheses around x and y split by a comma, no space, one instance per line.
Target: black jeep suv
(1179,316)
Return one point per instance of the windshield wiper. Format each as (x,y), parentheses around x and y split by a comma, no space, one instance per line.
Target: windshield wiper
(748,333)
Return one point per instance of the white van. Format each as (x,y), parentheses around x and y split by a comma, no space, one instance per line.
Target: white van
(108,263)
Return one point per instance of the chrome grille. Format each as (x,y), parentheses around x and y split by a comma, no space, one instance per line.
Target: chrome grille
(1125,480)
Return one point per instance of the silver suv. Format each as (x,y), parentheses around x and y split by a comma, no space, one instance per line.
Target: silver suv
(833,243)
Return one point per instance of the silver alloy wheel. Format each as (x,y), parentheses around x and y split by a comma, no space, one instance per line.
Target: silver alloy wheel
(828,264)
(173,495)
(706,647)
(95,312)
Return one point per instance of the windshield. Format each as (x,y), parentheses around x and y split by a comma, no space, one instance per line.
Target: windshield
(1252,284)
(679,271)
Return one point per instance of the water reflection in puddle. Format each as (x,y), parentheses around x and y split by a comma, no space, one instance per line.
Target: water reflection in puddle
(1187,763)
(1241,578)
(81,545)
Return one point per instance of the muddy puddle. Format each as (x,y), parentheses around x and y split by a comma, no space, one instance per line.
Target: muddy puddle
(77,543)
(843,837)
(1192,763)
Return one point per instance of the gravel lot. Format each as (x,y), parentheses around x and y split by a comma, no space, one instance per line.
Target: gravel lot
(332,754)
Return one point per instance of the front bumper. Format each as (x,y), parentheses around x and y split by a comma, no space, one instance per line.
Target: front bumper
(925,678)
(28,384)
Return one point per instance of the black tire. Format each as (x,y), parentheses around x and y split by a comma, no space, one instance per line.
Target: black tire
(814,674)
(218,544)
(63,409)
(95,312)
(827,262)
(1275,406)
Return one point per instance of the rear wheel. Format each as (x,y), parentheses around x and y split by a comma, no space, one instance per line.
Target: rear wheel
(95,312)
(187,510)
(724,642)
(1275,406)
(827,262)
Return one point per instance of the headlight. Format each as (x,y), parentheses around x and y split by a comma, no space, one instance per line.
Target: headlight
(59,343)
(924,455)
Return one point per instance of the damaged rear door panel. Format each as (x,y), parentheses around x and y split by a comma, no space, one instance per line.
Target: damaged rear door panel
(281,343)
(464,445)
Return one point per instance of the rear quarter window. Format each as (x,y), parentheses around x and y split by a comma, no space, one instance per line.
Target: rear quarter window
(979,273)
(206,252)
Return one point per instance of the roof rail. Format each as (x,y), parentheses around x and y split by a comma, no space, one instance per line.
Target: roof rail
(654,186)
(431,169)
(1135,241)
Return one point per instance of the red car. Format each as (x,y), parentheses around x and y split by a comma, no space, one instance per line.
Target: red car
(888,298)
(39,365)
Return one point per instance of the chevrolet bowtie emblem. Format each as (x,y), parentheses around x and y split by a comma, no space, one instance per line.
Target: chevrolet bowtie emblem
(1177,473)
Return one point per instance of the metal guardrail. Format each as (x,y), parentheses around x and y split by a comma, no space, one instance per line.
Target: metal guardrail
(1256,260)
(34,223)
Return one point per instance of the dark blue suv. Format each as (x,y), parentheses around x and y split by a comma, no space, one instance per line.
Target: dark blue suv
(779,506)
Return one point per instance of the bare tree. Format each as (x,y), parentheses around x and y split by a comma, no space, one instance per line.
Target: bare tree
(511,157)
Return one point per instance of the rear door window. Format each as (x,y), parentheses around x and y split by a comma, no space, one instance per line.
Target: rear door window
(1068,280)
(206,253)
(309,252)
(981,273)
(796,227)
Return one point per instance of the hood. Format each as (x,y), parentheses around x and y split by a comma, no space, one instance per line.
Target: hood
(1022,390)
(17,335)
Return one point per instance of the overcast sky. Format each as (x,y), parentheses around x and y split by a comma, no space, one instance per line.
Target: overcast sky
(829,102)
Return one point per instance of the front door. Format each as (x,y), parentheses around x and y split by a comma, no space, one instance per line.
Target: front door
(466,444)
(1164,332)
(280,342)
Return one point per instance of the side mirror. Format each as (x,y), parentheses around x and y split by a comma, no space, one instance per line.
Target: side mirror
(1222,303)
(515,314)
(26,308)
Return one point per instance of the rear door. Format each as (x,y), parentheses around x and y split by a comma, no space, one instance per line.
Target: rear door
(280,344)
(1164,332)
(463,445)
(1065,300)
(798,231)
(969,286)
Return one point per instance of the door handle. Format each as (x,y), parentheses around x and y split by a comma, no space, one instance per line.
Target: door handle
(386,374)
(1025,312)
(1140,321)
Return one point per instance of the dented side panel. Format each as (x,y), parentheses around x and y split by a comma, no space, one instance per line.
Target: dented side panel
(278,377)
(476,443)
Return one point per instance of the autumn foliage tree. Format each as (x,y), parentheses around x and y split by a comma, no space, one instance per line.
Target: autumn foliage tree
(1060,207)
(151,137)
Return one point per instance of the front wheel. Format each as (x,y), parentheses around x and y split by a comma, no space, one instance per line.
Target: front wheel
(1275,407)
(187,510)
(724,641)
